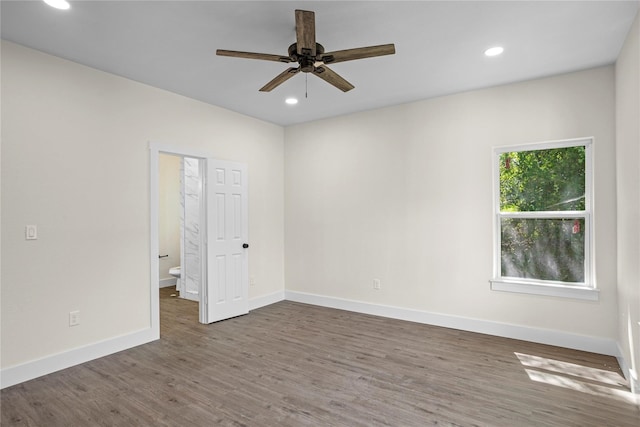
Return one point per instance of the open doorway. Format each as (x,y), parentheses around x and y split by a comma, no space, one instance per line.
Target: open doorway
(223,237)
(181,217)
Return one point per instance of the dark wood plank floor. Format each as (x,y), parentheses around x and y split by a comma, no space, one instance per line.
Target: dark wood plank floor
(292,364)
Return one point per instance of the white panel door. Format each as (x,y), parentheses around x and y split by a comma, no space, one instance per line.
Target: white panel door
(227,240)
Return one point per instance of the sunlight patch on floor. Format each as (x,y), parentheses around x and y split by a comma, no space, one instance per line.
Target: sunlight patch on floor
(585,379)
(566,368)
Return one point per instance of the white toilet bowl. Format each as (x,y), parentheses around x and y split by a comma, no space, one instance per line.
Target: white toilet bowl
(175,271)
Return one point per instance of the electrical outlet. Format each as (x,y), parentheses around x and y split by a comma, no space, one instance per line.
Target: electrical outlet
(31,232)
(252,281)
(376,284)
(74,318)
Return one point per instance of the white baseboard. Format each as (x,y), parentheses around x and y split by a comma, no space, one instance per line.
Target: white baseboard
(634,383)
(629,373)
(47,365)
(265,300)
(624,366)
(169,281)
(506,330)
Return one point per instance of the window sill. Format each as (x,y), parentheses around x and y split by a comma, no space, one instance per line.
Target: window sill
(562,291)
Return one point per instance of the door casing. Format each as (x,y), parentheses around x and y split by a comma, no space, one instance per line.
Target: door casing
(154,151)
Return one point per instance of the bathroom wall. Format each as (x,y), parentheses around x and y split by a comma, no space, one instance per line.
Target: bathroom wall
(169,216)
(190,215)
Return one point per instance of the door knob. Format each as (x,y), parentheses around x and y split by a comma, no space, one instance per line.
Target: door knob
(245,245)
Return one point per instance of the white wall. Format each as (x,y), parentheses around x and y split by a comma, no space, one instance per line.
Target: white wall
(169,214)
(75,161)
(628,182)
(404,195)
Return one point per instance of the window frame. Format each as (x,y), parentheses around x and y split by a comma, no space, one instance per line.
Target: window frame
(586,290)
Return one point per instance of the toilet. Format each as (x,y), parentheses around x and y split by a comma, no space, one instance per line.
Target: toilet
(175,272)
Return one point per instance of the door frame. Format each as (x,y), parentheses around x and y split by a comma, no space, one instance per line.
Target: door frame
(155,149)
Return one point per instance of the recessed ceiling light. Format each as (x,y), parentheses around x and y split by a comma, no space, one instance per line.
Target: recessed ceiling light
(494,51)
(291,101)
(58,4)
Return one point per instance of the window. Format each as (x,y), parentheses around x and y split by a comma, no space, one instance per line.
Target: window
(543,219)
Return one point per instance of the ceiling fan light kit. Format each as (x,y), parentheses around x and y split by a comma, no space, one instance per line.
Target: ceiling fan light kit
(311,56)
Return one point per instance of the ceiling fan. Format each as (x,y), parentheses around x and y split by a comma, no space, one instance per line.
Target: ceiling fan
(310,56)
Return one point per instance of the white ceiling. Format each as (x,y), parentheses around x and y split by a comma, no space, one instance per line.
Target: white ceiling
(439,46)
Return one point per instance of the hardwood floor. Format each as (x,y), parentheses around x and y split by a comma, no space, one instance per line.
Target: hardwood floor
(292,364)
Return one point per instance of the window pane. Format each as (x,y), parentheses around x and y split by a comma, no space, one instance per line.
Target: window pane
(543,180)
(544,249)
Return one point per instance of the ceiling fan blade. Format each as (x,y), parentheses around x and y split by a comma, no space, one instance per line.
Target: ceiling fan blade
(357,53)
(280,78)
(252,55)
(306,32)
(332,78)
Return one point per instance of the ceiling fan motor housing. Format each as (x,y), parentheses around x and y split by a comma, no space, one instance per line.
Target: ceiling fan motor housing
(306,60)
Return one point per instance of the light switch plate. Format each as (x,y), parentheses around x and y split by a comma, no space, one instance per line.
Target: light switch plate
(31,232)
(74,318)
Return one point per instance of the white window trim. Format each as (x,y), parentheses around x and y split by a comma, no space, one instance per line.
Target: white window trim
(585,291)
(547,289)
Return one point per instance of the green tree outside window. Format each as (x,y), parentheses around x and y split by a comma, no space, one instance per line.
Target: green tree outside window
(550,246)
